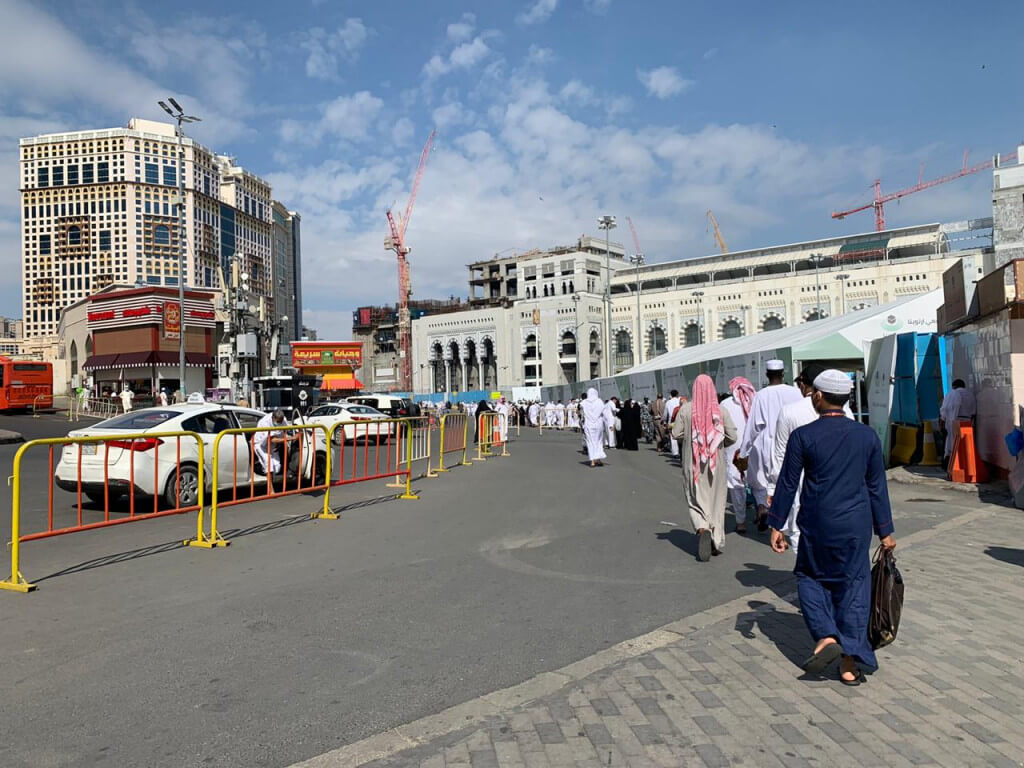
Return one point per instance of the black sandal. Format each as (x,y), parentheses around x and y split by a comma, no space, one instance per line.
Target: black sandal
(819,661)
(857,680)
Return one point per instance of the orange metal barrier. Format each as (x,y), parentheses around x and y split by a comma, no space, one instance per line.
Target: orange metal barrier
(179,477)
(296,449)
(454,437)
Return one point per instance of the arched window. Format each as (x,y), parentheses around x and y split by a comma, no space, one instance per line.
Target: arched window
(530,352)
(571,289)
(656,344)
(772,323)
(623,350)
(691,336)
(563,289)
(74,235)
(74,358)
(815,316)
(731,329)
(568,344)
(161,235)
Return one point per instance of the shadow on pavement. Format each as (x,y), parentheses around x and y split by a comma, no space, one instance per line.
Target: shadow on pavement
(761,576)
(1007,555)
(785,630)
(119,557)
(684,540)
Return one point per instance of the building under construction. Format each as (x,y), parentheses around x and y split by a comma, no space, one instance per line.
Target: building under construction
(376,328)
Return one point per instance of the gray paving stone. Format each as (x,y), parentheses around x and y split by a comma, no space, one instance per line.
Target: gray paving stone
(712,756)
(549,733)
(708,699)
(598,734)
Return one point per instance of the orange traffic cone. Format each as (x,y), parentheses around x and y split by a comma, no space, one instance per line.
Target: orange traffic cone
(929,452)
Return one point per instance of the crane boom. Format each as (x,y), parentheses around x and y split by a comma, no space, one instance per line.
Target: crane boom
(718,232)
(880,200)
(396,243)
(636,240)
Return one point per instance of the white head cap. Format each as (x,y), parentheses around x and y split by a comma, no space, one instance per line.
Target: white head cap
(775,365)
(833,382)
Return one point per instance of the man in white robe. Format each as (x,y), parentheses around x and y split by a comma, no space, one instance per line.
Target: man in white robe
(742,391)
(534,414)
(790,417)
(263,442)
(560,415)
(594,427)
(609,421)
(958,405)
(755,453)
(670,410)
(503,414)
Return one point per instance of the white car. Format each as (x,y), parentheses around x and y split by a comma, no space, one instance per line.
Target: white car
(358,421)
(155,470)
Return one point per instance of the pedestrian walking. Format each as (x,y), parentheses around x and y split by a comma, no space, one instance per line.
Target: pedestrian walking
(704,431)
(958,405)
(481,408)
(738,405)
(667,416)
(754,455)
(610,414)
(631,427)
(594,427)
(844,498)
(126,398)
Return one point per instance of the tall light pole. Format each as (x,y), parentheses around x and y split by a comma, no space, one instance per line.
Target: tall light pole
(179,115)
(638,259)
(816,259)
(700,318)
(842,288)
(607,223)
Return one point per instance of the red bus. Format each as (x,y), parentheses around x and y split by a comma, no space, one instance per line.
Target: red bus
(22,382)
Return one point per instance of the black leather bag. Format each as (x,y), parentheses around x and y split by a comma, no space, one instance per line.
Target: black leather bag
(886,599)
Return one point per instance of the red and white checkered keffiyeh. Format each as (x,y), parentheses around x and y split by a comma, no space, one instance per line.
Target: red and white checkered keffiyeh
(708,430)
(743,391)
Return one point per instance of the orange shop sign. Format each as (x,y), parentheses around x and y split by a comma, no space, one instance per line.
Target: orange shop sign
(172,320)
(327,354)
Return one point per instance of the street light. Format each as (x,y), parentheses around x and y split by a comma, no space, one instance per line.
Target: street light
(607,223)
(700,318)
(816,259)
(638,259)
(842,288)
(179,115)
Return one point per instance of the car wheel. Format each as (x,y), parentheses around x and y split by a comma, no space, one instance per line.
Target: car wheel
(182,489)
(339,436)
(320,468)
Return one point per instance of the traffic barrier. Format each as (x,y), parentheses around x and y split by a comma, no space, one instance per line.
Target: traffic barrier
(385,453)
(306,457)
(929,451)
(98,407)
(966,465)
(38,404)
(454,437)
(419,428)
(114,481)
(904,444)
(492,431)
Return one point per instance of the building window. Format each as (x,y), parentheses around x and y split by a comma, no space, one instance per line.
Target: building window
(161,235)
(731,329)
(104,239)
(692,335)
(623,350)
(44,245)
(103,172)
(58,175)
(657,344)
(87,177)
(42,177)
(772,323)
(74,235)
(170,176)
(152,173)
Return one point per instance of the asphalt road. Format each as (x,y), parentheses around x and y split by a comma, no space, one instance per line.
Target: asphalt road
(305,635)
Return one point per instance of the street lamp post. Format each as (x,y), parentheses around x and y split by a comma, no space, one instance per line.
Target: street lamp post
(842,289)
(816,259)
(179,115)
(638,259)
(700,317)
(607,223)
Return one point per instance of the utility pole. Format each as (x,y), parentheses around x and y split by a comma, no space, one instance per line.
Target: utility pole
(607,223)
(179,115)
(842,288)
(638,259)
(816,259)
(700,317)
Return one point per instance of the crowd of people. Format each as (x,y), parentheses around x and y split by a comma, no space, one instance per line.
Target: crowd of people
(814,476)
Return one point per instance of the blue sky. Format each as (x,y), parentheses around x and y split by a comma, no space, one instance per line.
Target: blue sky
(549,113)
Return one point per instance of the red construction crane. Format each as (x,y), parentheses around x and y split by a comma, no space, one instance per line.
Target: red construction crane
(881,199)
(397,244)
(636,240)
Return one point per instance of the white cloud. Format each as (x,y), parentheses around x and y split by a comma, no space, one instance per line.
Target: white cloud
(597,6)
(576,91)
(663,82)
(327,48)
(402,131)
(347,117)
(537,56)
(462,30)
(463,56)
(537,13)
(710,53)
(451,114)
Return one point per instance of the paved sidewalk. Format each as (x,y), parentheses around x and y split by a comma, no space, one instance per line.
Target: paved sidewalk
(723,688)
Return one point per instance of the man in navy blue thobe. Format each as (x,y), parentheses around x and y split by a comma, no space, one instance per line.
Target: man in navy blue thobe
(844,498)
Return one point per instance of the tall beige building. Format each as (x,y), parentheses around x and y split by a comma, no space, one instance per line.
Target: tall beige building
(99,207)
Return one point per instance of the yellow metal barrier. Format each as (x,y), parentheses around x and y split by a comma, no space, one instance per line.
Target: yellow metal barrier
(214,538)
(454,437)
(17,582)
(491,432)
(418,428)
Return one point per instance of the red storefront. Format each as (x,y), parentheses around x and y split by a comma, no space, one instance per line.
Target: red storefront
(335,361)
(136,335)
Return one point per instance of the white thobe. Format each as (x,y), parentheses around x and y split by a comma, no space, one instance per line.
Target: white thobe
(736,483)
(956,405)
(560,415)
(126,399)
(260,441)
(594,429)
(790,418)
(609,422)
(759,435)
(534,415)
(503,411)
(670,408)
(572,415)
